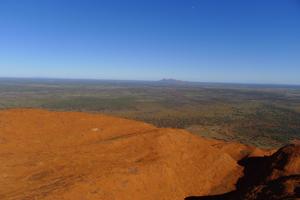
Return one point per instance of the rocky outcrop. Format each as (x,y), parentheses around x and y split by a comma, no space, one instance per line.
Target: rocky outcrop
(271,177)
(69,155)
(80,156)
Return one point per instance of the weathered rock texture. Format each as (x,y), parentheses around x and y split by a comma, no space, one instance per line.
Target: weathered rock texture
(272,177)
(79,156)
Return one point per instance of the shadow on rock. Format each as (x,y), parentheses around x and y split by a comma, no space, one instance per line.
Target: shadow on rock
(271,177)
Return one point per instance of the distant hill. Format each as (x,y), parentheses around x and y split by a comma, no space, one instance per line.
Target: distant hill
(172,81)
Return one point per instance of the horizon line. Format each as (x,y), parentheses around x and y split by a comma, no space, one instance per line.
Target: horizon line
(150,80)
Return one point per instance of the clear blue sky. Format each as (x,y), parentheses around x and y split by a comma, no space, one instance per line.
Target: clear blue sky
(250,41)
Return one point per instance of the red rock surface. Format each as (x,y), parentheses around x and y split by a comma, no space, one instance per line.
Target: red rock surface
(273,177)
(69,155)
(80,156)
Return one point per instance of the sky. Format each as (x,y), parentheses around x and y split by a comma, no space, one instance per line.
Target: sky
(237,41)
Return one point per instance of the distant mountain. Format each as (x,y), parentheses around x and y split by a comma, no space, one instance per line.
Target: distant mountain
(172,81)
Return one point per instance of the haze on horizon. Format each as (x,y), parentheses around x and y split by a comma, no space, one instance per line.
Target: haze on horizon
(194,40)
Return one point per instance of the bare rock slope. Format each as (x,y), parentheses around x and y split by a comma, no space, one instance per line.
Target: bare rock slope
(80,156)
(272,177)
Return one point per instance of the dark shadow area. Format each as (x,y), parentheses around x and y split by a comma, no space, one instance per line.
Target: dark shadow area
(226,196)
(254,173)
(256,183)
